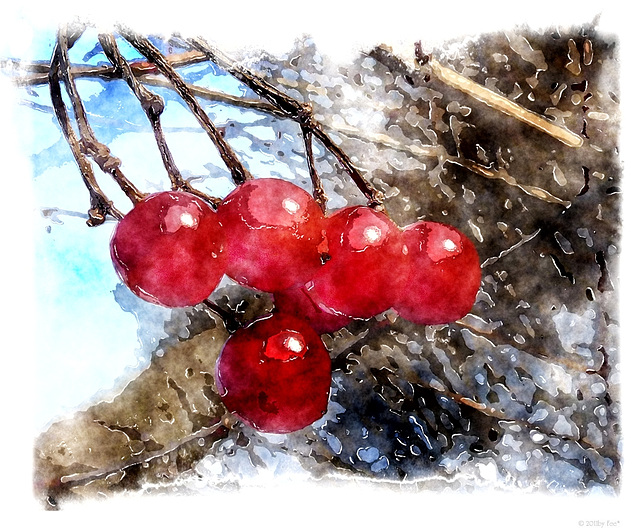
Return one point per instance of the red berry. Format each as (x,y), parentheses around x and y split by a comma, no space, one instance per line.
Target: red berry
(275,374)
(441,274)
(169,249)
(273,230)
(297,301)
(358,279)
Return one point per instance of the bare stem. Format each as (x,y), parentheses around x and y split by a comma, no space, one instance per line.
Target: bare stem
(318,190)
(144,46)
(293,109)
(153,106)
(90,144)
(100,205)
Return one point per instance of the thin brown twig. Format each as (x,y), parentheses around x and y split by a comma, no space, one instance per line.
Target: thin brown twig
(153,106)
(239,173)
(318,190)
(38,72)
(100,206)
(299,112)
(89,143)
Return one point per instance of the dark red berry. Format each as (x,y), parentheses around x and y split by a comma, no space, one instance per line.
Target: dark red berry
(275,374)
(297,301)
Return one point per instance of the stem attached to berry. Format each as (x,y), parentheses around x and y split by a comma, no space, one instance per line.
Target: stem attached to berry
(318,190)
(153,106)
(238,172)
(294,110)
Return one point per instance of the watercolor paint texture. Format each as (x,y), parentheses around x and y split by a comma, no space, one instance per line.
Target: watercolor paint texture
(520,395)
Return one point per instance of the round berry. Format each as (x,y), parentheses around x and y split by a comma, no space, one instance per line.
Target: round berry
(441,274)
(169,249)
(275,374)
(273,230)
(359,276)
(297,301)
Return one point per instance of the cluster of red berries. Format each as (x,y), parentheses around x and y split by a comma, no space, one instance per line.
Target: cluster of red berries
(172,249)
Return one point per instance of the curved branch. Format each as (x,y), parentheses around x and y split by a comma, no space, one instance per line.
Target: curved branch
(144,46)
(294,110)
(89,143)
(100,205)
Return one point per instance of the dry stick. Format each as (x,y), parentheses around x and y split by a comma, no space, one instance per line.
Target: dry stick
(318,190)
(81,478)
(505,105)
(238,172)
(301,113)
(38,71)
(153,106)
(100,205)
(95,149)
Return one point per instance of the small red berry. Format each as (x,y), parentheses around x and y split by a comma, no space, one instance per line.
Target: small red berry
(275,374)
(273,230)
(441,274)
(359,276)
(169,249)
